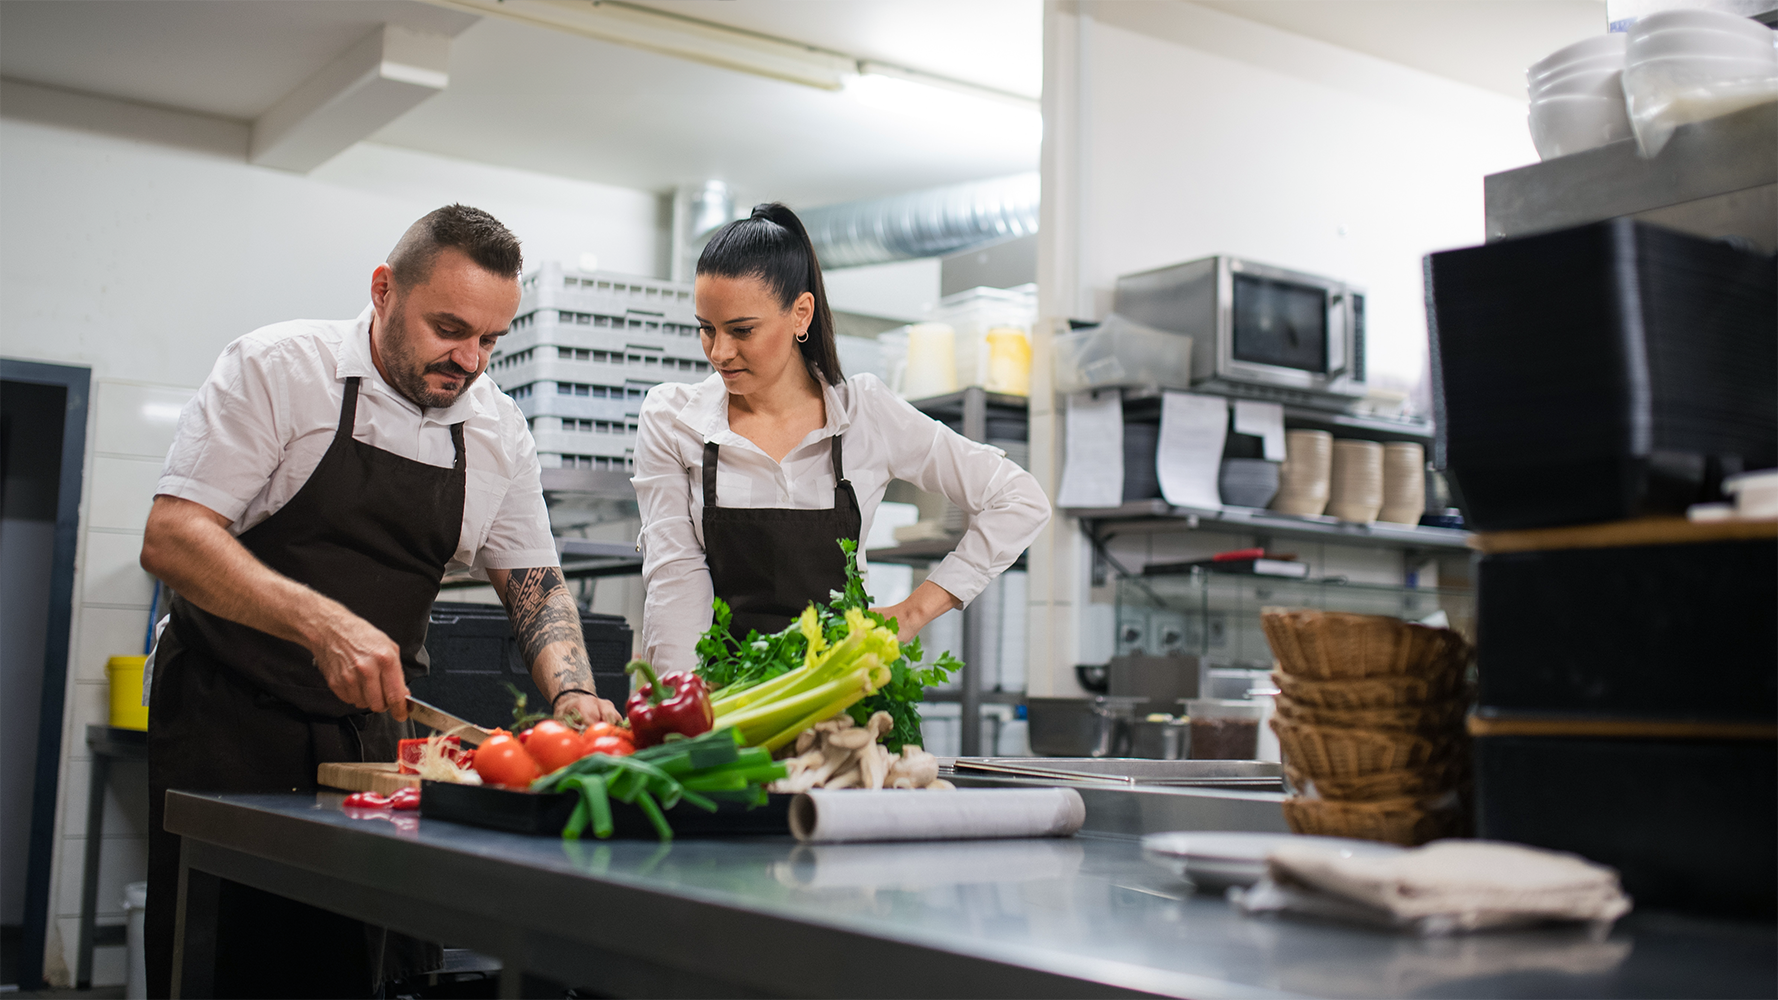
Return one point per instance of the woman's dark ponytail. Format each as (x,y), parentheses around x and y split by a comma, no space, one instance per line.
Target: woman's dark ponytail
(772,245)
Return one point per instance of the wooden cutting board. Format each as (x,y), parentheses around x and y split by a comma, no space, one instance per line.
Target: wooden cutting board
(382,778)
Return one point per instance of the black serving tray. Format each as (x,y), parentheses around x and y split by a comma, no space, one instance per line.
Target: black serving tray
(546,813)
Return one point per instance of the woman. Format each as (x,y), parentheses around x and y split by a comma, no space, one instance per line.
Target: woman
(747,480)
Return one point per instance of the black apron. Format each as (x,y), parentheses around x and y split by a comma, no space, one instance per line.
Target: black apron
(234,709)
(768,563)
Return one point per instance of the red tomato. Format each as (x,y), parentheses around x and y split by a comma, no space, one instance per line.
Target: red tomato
(616,746)
(502,760)
(553,745)
(525,736)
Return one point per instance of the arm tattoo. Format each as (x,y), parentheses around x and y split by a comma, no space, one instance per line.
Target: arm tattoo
(542,613)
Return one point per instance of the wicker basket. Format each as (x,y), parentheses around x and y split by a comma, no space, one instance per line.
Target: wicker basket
(1405,821)
(1432,718)
(1370,693)
(1335,645)
(1332,752)
(1434,779)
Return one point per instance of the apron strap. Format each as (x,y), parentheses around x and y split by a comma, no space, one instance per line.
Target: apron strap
(457,443)
(709,473)
(839,465)
(348,410)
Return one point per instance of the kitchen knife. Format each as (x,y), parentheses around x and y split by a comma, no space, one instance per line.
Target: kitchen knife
(445,722)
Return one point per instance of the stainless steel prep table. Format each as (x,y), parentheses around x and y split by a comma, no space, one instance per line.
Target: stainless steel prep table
(766,916)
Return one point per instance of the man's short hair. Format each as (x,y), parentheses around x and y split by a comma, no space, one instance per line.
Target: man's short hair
(477,234)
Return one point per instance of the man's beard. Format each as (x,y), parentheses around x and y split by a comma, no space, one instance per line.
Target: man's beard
(408,375)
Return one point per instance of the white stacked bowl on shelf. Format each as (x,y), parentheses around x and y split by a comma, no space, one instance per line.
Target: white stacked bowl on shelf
(1357,487)
(1577,97)
(1304,478)
(1404,483)
(1688,65)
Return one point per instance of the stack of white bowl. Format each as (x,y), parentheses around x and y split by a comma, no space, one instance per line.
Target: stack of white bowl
(1577,97)
(1688,65)
(1357,489)
(1404,483)
(1303,479)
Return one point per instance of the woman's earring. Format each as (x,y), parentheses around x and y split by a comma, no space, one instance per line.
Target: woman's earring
(802,337)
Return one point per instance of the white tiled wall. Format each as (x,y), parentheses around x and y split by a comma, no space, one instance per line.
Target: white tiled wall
(130,428)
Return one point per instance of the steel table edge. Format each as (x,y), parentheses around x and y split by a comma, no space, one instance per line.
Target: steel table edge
(434,916)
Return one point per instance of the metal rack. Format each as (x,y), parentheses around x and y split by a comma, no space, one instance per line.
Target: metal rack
(971,408)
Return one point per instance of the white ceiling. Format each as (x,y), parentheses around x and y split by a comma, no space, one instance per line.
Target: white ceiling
(1485,43)
(532,98)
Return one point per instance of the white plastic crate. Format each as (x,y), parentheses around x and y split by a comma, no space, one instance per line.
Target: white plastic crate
(584,349)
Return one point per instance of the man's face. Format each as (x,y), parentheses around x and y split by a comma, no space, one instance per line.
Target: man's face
(433,340)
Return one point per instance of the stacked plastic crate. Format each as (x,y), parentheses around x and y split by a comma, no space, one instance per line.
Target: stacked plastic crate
(584,349)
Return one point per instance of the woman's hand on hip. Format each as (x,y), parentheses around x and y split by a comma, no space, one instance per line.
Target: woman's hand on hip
(928,601)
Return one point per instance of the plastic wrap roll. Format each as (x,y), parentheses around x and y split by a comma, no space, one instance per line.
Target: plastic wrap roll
(963,814)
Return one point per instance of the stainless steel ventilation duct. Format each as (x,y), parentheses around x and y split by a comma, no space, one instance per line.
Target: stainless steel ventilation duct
(925,223)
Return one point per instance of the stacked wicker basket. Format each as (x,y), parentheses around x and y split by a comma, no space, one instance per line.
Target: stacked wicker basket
(1370,719)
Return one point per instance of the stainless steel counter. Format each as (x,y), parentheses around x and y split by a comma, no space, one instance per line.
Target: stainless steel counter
(766,916)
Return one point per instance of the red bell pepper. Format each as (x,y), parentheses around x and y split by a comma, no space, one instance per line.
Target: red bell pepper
(673,703)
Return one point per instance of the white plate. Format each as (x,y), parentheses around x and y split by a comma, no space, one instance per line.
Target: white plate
(1219,860)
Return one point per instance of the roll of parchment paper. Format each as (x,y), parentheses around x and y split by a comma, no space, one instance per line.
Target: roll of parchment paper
(826,817)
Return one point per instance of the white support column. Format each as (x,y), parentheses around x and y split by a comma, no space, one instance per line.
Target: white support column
(1058,556)
(368,86)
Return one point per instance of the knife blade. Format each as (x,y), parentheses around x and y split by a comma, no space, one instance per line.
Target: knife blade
(443,721)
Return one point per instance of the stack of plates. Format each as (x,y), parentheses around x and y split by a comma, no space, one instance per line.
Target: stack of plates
(1688,65)
(1404,483)
(1248,482)
(1357,485)
(1304,477)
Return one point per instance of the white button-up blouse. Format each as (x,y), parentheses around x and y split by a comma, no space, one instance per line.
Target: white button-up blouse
(885,438)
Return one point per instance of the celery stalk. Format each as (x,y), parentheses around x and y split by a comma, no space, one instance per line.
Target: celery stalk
(765,720)
(825,668)
(827,711)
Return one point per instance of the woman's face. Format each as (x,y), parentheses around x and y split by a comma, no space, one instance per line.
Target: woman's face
(750,339)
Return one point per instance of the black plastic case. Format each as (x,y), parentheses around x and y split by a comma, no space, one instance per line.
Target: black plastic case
(1645,632)
(545,814)
(474,657)
(1689,825)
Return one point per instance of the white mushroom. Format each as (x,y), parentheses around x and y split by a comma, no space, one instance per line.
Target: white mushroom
(915,769)
(874,764)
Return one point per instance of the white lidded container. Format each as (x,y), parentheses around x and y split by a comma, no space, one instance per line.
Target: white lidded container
(135,904)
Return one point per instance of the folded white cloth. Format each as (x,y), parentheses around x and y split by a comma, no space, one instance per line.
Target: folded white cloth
(1449,885)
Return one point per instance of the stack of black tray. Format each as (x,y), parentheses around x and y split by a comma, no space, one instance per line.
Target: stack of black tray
(475,656)
(1609,371)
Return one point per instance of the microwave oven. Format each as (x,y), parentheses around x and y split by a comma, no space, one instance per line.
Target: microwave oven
(1257,330)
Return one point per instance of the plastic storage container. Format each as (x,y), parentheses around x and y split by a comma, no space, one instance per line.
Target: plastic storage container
(1224,729)
(125,674)
(475,656)
(1122,352)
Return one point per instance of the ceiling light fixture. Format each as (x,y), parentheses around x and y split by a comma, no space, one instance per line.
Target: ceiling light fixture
(717,45)
(935,100)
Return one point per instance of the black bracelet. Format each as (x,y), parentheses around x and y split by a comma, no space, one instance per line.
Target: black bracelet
(559,694)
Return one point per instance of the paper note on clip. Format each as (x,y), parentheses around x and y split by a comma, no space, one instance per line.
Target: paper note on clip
(1193,429)
(1093,456)
(1265,420)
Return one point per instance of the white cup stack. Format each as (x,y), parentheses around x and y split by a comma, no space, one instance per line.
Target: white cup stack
(1577,97)
(1688,65)
(1404,483)
(1303,479)
(1357,489)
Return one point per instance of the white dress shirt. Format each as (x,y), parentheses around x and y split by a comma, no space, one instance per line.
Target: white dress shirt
(258,427)
(885,438)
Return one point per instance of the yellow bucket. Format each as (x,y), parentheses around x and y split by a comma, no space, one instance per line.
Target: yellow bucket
(127,710)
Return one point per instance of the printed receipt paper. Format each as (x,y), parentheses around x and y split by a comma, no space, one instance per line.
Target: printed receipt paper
(1189,458)
(1093,456)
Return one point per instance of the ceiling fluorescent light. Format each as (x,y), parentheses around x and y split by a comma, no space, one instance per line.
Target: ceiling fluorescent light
(939,102)
(716,45)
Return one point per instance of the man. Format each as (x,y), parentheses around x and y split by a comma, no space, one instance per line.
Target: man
(323,480)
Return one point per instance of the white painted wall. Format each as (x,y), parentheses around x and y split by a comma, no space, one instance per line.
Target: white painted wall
(1174,131)
(138,242)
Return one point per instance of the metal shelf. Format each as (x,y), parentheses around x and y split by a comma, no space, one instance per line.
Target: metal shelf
(952,696)
(952,405)
(1257,521)
(1416,429)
